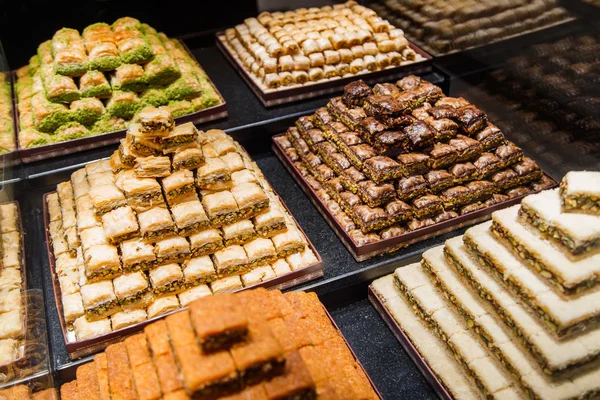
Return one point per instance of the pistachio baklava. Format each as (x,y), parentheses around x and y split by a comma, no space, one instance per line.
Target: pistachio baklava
(99,300)
(132,290)
(156,223)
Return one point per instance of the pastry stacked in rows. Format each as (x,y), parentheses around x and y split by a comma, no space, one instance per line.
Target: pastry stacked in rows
(22,392)
(255,344)
(174,215)
(562,86)
(398,157)
(444,26)
(316,44)
(510,309)
(7,128)
(96,82)
(12,309)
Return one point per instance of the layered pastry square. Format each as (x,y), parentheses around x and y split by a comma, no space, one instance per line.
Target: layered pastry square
(221,207)
(205,242)
(178,185)
(578,191)
(132,290)
(137,255)
(99,300)
(239,232)
(120,224)
(213,175)
(231,260)
(156,223)
(167,279)
(189,217)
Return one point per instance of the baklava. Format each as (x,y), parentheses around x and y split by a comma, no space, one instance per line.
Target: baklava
(213,175)
(579,191)
(156,122)
(221,208)
(188,157)
(205,242)
(153,167)
(260,251)
(127,318)
(85,329)
(106,198)
(72,305)
(162,305)
(238,233)
(177,185)
(142,191)
(233,161)
(427,206)
(578,232)
(171,249)
(288,242)
(250,198)
(189,217)
(132,290)
(156,224)
(102,262)
(138,144)
(137,255)
(231,260)
(99,300)
(199,270)
(192,294)
(270,223)
(167,279)
(120,224)
(181,135)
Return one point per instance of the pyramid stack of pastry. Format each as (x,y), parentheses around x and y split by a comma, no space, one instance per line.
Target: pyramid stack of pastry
(86,84)
(441,26)
(174,215)
(7,127)
(394,158)
(510,309)
(317,44)
(256,344)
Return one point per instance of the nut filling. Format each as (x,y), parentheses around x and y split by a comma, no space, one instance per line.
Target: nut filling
(483,293)
(271,230)
(577,249)
(101,310)
(534,262)
(578,201)
(551,323)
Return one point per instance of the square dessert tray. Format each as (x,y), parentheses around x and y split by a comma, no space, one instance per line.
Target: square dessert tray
(29,155)
(308,52)
(82,348)
(289,94)
(362,252)
(398,163)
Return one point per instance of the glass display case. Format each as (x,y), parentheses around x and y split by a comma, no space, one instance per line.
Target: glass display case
(418,165)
